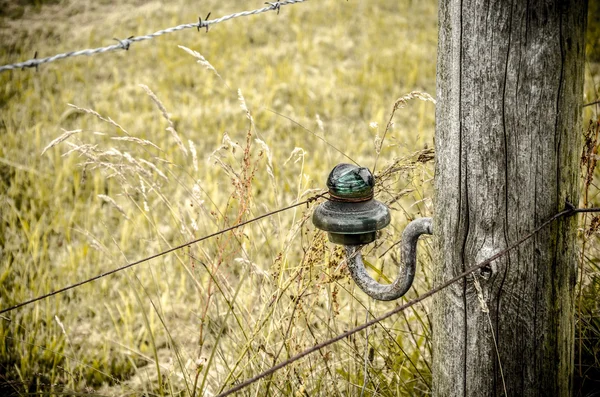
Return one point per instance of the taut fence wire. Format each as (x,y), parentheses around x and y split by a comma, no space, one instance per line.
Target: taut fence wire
(124,44)
(591,103)
(127,266)
(570,210)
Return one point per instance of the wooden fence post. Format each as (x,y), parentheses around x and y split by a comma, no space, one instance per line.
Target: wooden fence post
(509,91)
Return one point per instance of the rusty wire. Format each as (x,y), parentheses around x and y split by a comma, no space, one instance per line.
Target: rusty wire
(570,210)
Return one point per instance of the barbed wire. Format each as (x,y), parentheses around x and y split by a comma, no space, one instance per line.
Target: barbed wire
(124,44)
(127,266)
(570,210)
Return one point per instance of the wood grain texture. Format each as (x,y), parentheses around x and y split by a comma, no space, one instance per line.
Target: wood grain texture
(509,91)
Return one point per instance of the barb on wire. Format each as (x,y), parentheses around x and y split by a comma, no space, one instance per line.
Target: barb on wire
(124,44)
(568,211)
(127,266)
(275,5)
(37,69)
(203,24)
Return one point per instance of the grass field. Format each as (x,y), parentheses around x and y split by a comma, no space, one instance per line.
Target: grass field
(157,149)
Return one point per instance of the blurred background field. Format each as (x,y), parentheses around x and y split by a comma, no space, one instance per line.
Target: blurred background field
(160,149)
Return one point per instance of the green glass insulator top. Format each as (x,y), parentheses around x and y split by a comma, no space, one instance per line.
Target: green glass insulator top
(351,216)
(347,181)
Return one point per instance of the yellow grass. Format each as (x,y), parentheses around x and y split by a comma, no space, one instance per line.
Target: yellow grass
(107,159)
(110,158)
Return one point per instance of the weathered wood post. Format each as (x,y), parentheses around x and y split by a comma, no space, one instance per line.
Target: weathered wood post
(509,91)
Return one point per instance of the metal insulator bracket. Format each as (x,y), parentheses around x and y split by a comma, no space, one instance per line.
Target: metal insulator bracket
(352,217)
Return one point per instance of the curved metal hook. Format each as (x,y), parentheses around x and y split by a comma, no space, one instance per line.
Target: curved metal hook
(408,256)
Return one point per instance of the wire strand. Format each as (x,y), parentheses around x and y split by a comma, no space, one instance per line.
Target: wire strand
(591,103)
(125,43)
(58,291)
(570,210)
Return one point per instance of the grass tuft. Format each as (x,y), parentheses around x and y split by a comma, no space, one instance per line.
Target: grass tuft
(126,173)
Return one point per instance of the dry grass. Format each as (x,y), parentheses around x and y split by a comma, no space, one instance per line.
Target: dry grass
(107,159)
(111,158)
(587,327)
